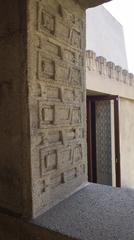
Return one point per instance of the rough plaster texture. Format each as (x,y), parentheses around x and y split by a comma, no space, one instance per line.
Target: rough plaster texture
(97,212)
(126,142)
(105,36)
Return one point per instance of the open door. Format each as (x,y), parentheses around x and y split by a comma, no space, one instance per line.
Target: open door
(98,139)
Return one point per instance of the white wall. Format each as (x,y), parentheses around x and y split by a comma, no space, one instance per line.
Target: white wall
(105,36)
(127,142)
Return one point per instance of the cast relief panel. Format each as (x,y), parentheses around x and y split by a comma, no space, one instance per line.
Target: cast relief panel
(57,96)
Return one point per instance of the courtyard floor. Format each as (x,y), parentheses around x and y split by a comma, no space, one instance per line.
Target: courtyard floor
(96,212)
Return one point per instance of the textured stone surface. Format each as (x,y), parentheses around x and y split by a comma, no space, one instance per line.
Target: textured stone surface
(42,117)
(56,100)
(96,212)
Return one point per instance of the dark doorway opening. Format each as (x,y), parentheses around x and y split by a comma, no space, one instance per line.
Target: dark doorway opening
(99,139)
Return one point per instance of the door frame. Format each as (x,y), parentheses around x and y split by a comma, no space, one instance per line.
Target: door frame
(90,101)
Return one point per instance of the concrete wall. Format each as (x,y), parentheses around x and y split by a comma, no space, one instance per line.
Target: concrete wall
(103,76)
(105,36)
(42,107)
(127,142)
(14,137)
(56,81)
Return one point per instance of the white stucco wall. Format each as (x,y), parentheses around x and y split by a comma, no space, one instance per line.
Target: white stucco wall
(127,142)
(104,85)
(98,84)
(105,36)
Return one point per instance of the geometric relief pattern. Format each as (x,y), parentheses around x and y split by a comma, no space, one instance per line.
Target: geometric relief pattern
(48,161)
(59,62)
(59,94)
(59,158)
(48,69)
(58,114)
(103,142)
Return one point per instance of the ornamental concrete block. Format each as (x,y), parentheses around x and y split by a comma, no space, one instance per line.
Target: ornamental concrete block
(57,108)
(43,114)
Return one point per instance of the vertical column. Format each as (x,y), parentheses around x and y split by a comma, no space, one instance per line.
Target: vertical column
(56,79)
(14,131)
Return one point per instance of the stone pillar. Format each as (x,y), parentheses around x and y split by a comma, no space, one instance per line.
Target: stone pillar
(15,191)
(42,117)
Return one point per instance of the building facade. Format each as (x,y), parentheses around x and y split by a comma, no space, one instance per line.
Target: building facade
(105,83)
(105,36)
(43,110)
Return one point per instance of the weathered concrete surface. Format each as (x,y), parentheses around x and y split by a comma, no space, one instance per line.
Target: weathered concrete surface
(96,212)
(42,104)
(14,121)
(56,80)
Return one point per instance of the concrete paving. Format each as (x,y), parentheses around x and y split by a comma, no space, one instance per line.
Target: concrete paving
(96,212)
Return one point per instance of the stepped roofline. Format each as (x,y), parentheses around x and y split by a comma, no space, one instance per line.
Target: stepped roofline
(108,69)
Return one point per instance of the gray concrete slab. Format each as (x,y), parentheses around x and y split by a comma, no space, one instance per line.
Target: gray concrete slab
(96,212)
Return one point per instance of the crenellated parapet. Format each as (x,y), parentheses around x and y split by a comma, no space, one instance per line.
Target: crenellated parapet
(108,69)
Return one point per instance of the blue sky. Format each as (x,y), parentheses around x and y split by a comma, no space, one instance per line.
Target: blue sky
(123,11)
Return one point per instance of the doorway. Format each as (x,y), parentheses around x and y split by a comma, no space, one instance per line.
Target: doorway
(103,146)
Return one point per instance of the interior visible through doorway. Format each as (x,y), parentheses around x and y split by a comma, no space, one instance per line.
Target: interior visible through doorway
(103,139)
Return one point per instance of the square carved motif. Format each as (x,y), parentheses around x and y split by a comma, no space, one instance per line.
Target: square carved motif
(65,157)
(75,38)
(46,20)
(76,115)
(62,114)
(46,114)
(48,161)
(46,67)
(77,153)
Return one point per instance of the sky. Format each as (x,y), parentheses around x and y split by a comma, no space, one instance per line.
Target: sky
(123,11)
